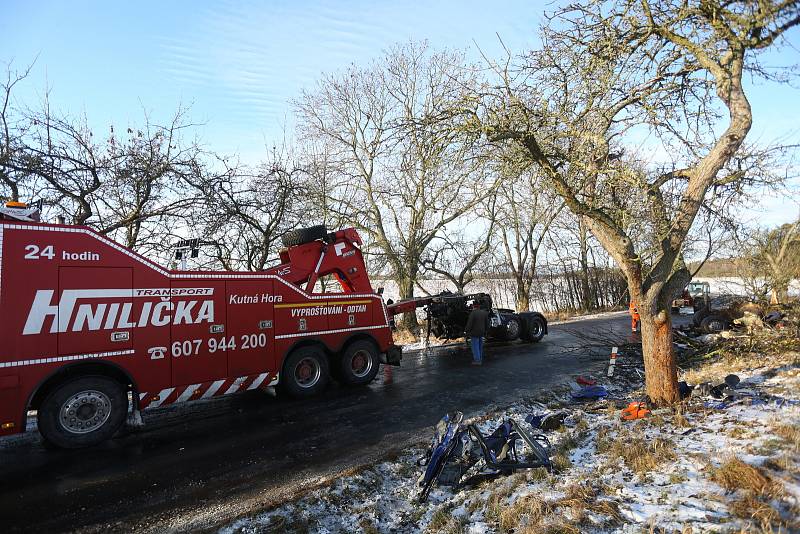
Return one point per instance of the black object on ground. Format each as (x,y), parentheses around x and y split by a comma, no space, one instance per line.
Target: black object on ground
(457,450)
(547,421)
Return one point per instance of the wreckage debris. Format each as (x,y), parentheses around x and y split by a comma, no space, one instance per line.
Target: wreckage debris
(547,421)
(635,410)
(589,393)
(585,381)
(460,455)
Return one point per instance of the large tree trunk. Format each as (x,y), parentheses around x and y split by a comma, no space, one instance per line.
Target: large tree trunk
(406,288)
(522,298)
(659,357)
(586,291)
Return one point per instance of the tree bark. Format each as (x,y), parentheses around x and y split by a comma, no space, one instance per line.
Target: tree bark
(405,286)
(523,299)
(586,291)
(659,359)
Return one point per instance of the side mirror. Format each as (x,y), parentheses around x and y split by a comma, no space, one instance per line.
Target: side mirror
(380,291)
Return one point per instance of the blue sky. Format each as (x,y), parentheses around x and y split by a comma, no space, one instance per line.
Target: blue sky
(238,63)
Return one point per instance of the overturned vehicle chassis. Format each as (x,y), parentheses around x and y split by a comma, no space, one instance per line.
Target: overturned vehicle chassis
(447,316)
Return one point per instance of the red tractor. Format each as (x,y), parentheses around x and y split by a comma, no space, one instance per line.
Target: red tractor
(92,330)
(694,297)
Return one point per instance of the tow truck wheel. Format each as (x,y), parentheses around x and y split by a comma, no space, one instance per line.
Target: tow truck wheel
(305,372)
(359,363)
(512,329)
(83,412)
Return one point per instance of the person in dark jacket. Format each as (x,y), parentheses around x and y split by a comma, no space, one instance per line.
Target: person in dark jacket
(477,326)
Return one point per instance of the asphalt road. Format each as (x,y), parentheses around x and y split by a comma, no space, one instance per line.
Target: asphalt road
(203,464)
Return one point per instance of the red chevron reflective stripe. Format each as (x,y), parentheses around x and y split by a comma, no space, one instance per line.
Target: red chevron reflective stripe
(205,390)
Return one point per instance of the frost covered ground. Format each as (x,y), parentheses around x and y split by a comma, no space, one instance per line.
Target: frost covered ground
(703,468)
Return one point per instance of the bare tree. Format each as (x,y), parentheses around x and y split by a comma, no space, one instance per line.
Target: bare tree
(615,70)
(147,181)
(13,170)
(527,209)
(246,211)
(577,267)
(772,258)
(405,168)
(123,186)
(457,253)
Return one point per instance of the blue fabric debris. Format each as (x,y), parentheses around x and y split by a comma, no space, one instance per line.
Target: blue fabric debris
(590,393)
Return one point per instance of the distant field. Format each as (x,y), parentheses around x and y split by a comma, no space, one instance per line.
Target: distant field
(502,290)
(717,268)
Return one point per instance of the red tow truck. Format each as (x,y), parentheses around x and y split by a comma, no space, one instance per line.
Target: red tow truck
(92,331)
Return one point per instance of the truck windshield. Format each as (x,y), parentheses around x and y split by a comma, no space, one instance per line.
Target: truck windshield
(696,290)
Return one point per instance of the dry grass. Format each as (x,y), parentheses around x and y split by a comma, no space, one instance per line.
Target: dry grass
(756,496)
(496,503)
(638,454)
(439,519)
(526,512)
(782,462)
(602,438)
(677,478)
(474,504)
(736,356)
(443,522)
(734,474)
(738,432)
(755,509)
(568,442)
(558,527)
(533,514)
(679,419)
(560,453)
(768,447)
(582,425)
(536,475)
(790,434)
(580,498)
(561,462)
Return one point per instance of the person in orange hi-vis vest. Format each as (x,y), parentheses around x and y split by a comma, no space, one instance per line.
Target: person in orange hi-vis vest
(633,309)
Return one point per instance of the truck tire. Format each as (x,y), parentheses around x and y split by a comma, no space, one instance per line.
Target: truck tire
(513,329)
(83,412)
(304,235)
(534,329)
(713,324)
(699,315)
(305,372)
(359,363)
